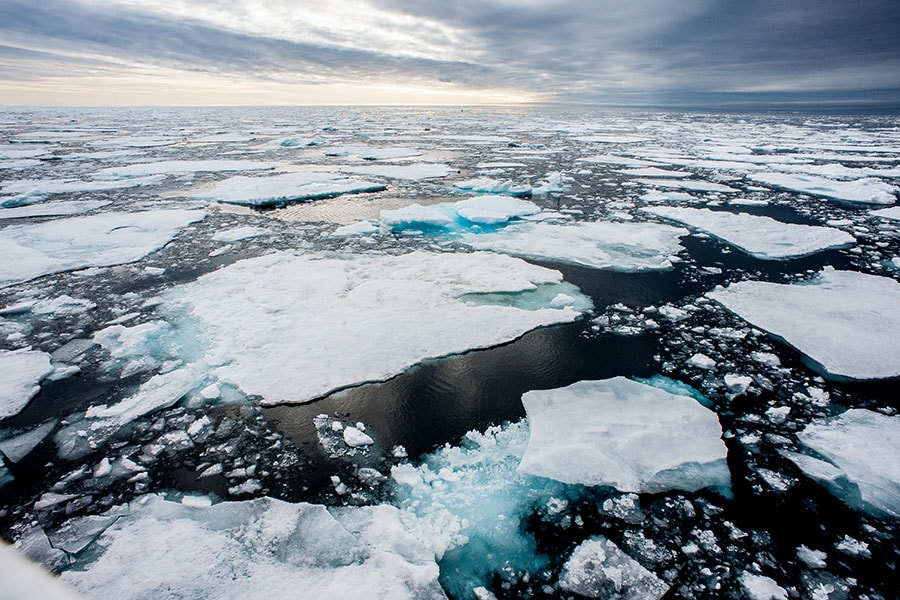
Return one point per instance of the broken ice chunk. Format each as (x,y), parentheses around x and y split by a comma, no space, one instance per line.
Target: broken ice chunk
(22,372)
(17,447)
(624,434)
(599,569)
(486,185)
(355,438)
(760,587)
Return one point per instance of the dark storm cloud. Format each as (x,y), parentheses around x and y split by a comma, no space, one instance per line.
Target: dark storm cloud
(578,50)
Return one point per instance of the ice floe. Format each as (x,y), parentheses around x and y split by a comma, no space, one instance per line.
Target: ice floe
(892,213)
(599,569)
(861,447)
(631,436)
(869,190)
(283,189)
(254,549)
(628,247)
(492,209)
(417,216)
(762,237)
(179,167)
(343,320)
(100,240)
(35,190)
(844,322)
(412,172)
(373,152)
(22,372)
(20,444)
(52,209)
(486,185)
(236,234)
(480,210)
(696,185)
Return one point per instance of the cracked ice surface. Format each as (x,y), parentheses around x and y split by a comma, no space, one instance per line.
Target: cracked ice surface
(761,237)
(627,247)
(845,322)
(864,446)
(101,240)
(256,549)
(337,321)
(625,434)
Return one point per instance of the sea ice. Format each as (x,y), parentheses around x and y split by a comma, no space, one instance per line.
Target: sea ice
(413,172)
(256,549)
(337,321)
(761,237)
(760,587)
(654,172)
(493,209)
(354,229)
(862,447)
(486,185)
(22,372)
(286,188)
(687,184)
(52,209)
(179,167)
(236,234)
(415,216)
(628,435)
(629,247)
(373,152)
(20,445)
(892,213)
(35,190)
(599,569)
(869,190)
(844,322)
(100,240)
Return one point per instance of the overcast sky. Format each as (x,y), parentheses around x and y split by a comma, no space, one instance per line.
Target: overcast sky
(105,52)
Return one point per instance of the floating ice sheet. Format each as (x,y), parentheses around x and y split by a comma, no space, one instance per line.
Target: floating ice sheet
(337,321)
(687,184)
(869,190)
(599,569)
(100,240)
(863,446)
(35,190)
(413,172)
(22,372)
(762,237)
(283,189)
(52,209)
(178,167)
(628,435)
(486,185)
(256,549)
(844,322)
(892,213)
(629,247)
(373,152)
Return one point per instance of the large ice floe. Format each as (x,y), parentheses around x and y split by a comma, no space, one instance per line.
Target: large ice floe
(761,237)
(869,190)
(22,372)
(52,209)
(413,172)
(36,190)
(254,549)
(608,245)
(621,433)
(843,322)
(341,320)
(599,569)
(179,167)
(460,216)
(100,240)
(860,450)
(286,188)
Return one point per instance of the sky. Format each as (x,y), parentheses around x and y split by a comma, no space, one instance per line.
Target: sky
(293,52)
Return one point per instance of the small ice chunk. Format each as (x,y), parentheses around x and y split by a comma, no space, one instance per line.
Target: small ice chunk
(760,587)
(814,559)
(844,322)
(737,384)
(629,435)
(415,215)
(192,501)
(491,209)
(355,438)
(236,234)
(22,372)
(702,361)
(354,229)
(599,569)
(211,392)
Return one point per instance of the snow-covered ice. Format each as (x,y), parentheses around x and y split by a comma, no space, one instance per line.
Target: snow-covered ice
(416,215)
(628,435)
(31,191)
(100,240)
(844,322)
(761,237)
(256,549)
(22,372)
(337,321)
(413,172)
(599,569)
(486,185)
(861,447)
(52,209)
(696,185)
(608,245)
(373,152)
(179,167)
(892,213)
(236,234)
(492,209)
(868,190)
(286,188)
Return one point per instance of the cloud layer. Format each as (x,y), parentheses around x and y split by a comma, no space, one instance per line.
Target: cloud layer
(563,50)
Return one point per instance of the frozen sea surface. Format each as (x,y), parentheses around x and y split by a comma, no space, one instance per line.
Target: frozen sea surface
(275,347)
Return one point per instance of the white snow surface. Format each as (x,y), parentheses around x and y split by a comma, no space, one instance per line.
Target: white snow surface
(413,172)
(629,247)
(490,209)
(868,190)
(52,209)
(415,215)
(339,320)
(624,434)
(761,237)
(597,568)
(178,167)
(22,372)
(845,322)
(863,445)
(892,213)
(282,189)
(256,550)
(30,191)
(100,240)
